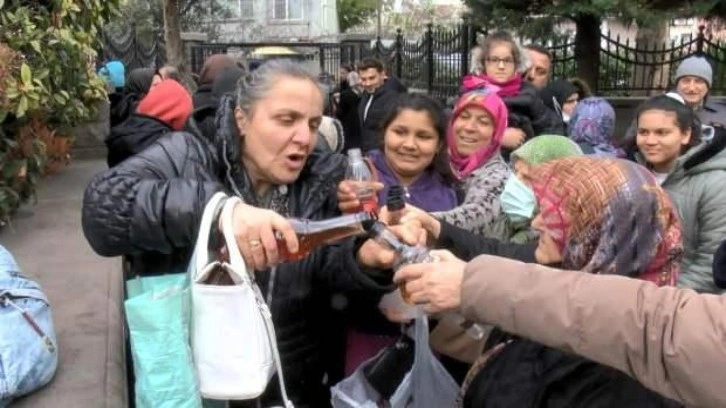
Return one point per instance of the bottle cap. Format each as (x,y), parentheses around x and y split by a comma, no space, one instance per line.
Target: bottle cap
(395,198)
(355,154)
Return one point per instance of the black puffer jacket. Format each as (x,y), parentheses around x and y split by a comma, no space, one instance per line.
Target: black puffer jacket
(151,205)
(529,113)
(528,374)
(133,136)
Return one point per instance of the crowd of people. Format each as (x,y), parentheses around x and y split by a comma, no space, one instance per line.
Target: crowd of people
(520,167)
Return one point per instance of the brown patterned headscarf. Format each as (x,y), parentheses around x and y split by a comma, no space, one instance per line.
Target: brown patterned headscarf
(610,216)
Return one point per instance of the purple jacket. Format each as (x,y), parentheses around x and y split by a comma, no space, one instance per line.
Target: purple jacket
(429,192)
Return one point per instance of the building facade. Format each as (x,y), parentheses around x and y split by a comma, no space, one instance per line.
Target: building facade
(279,20)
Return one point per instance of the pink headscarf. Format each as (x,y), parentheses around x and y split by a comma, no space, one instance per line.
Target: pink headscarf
(487,99)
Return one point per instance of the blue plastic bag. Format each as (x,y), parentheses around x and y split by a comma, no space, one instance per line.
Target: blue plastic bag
(28,348)
(157,313)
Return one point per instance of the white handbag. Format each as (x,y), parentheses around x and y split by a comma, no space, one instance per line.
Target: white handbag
(233,338)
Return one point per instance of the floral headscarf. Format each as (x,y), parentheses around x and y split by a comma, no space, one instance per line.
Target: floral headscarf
(610,216)
(493,104)
(593,124)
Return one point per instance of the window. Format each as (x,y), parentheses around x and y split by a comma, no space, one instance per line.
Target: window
(246,8)
(287,10)
(238,9)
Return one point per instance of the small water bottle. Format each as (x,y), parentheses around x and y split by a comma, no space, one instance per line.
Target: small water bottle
(406,255)
(359,173)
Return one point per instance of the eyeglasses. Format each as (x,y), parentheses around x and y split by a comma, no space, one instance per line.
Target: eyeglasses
(497,61)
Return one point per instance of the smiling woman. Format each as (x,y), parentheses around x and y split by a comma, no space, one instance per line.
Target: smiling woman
(474,138)
(692,172)
(412,155)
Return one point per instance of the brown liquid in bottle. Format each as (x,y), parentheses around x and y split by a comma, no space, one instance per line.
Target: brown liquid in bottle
(314,234)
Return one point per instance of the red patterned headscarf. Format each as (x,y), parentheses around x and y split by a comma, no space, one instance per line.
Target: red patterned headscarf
(610,216)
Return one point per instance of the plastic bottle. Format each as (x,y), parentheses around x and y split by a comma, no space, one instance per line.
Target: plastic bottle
(359,173)
(406,255)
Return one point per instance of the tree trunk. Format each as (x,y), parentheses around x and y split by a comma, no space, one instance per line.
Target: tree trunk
(652,74)
(172,35)
(587,48)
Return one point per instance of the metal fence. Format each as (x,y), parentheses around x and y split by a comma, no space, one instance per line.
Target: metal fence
(328,57)
(123,42)
(438,60)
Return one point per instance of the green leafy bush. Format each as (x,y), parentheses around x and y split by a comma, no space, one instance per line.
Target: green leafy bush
(48,84)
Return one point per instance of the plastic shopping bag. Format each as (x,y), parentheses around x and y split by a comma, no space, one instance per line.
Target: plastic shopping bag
(427,384)
(157,313)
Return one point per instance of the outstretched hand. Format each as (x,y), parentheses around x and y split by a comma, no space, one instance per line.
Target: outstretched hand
(436,286)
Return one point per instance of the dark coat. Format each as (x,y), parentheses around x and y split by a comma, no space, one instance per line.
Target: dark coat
(204,96)
(150,207)
(383,97)
(347,114)
(133,136)
(529,113)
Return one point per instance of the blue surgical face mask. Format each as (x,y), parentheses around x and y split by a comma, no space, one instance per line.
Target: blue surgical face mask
(518,200)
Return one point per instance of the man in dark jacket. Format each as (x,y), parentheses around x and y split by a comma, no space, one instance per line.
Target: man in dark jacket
(379,92)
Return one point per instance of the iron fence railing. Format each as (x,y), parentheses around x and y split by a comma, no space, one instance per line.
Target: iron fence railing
(436,61)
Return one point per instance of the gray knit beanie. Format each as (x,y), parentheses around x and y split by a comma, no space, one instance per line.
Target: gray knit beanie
(697,67)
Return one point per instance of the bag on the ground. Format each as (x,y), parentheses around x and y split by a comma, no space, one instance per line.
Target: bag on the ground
(28,348)
(233,338)
(158,313)
(427,384)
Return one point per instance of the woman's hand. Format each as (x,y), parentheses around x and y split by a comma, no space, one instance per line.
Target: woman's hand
(255,229)
(414,216)
(347,198)
(513,138)
(375,255)
(437,285)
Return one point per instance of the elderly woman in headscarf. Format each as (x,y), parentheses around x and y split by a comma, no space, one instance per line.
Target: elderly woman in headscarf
(517,199)
(593,126)
(213,66)
(599,216)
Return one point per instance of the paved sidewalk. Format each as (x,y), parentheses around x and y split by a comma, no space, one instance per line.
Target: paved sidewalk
(84,290)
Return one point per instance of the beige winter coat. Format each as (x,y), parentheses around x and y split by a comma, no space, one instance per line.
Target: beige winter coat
(671,340)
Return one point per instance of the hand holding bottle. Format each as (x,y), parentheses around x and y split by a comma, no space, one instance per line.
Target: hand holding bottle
(256,230)
(359,190)
(348,198)
(435,286)
(415,216)
(377,255)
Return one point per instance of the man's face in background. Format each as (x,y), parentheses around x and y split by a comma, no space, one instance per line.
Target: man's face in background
(371,79)
(539,74)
